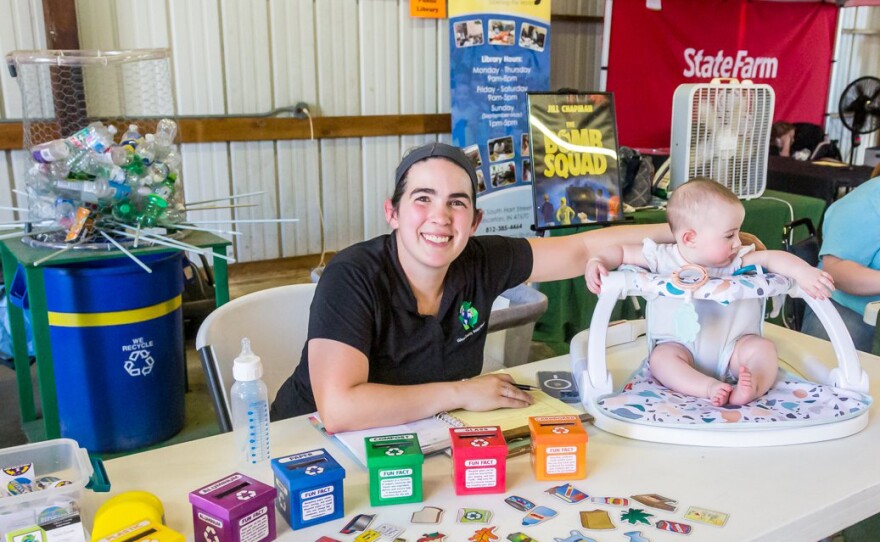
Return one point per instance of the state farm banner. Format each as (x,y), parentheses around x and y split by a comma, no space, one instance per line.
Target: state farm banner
(787,45)
(498,51)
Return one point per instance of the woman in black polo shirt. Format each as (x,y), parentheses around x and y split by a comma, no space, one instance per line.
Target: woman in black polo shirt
(398,323)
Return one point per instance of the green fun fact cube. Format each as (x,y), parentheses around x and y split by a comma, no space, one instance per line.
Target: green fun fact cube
(395,465)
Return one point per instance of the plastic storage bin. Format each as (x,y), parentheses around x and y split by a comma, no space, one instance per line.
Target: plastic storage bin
(117,343)
(511,324)
(61,458)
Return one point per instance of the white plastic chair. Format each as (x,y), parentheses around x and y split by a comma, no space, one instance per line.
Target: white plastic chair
(276,321)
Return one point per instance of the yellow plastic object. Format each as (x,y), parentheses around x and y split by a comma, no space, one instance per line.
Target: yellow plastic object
(126,509)
(144,531)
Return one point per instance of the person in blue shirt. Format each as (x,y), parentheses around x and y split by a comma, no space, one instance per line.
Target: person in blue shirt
(851,254)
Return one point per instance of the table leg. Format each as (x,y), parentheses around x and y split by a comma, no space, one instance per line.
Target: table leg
(43,351)
(221,276)
(19,342)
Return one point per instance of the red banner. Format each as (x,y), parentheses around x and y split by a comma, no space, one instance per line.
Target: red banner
(788,45)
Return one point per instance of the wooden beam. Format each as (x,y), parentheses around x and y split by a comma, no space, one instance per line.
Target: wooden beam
(212,130)
(223,129)
(11,136)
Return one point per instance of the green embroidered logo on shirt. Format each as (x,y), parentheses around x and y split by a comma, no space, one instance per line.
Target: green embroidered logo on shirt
(468,315)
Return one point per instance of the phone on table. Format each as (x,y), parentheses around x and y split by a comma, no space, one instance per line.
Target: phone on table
(559,384)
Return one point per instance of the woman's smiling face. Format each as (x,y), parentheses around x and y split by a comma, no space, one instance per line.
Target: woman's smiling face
(435,217)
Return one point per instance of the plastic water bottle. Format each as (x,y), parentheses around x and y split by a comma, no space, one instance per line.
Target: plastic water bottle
(131,136)
(95,137)
(51,151)
(250,406)
(166,131)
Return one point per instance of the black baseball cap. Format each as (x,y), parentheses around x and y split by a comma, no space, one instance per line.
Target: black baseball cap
(436,150)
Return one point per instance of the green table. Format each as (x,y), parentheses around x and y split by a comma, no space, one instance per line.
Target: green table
(571,305)
(15,252)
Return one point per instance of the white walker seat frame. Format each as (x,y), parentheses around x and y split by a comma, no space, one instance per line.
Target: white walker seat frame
(795,410)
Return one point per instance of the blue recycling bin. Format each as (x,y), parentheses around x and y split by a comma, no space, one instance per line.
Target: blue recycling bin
(117,343)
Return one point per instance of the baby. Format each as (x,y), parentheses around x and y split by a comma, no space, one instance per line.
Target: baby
(705,218)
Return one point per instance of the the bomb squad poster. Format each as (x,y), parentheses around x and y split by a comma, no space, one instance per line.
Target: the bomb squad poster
(574,150)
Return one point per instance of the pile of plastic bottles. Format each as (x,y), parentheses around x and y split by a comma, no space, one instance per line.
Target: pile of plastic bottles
(89,180)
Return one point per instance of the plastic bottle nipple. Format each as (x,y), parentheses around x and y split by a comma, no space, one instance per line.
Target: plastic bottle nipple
(246,366)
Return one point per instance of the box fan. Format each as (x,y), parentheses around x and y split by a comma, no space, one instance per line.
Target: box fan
(721,130)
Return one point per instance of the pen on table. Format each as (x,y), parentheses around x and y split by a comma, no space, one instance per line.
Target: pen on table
(525,387)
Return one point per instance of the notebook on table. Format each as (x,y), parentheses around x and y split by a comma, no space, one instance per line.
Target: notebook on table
(433,432)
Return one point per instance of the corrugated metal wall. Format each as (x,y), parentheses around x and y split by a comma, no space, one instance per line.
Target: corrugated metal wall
(342,57)
(857,55)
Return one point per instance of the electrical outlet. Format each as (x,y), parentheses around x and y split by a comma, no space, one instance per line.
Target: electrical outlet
(301,110)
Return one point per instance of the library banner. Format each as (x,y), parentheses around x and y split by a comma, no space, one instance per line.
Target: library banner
(787,45)
(498,51)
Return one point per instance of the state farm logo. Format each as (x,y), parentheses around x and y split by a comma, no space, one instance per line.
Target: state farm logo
(739,65)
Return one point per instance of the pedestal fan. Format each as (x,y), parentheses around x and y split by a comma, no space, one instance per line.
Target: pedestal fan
(860,109)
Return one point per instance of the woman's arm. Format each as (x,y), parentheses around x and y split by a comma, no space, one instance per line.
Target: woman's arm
(347,401)
(851,277)
(557,258)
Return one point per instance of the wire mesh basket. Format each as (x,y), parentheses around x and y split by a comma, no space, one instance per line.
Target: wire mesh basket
(100,131)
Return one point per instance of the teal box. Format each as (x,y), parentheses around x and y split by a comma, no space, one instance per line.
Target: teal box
(395,464)
(309,488)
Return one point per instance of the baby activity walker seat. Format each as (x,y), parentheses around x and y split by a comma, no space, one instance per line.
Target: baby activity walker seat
(795,410)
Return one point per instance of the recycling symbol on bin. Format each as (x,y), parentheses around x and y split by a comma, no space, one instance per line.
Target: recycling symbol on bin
(282,496)
(479,442)
(393,451)
(560,430)
(210,534)
(245,495)
(313,470)
(139,363)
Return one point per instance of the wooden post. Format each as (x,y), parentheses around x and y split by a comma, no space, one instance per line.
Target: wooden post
(68,91)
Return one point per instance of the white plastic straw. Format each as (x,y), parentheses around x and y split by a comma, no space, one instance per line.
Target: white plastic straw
(50,256)
(232,197)
(194,228)
(127,253)
(174,244)
(213,207)
(253,221)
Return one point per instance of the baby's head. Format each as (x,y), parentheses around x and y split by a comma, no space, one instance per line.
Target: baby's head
(705,218)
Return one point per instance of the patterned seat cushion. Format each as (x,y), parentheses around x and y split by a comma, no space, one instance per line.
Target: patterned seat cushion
(791,400)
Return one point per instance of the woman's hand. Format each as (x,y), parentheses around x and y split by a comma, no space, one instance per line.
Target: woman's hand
(491,391)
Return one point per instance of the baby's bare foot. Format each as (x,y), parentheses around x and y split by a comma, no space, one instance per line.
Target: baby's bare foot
(719,392)
(745,390)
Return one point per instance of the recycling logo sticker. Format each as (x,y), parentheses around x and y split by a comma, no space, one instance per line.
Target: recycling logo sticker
(479,442)
(560,430)
(210,535)
(393,451)
(245,495)
(313,470)
(140,360)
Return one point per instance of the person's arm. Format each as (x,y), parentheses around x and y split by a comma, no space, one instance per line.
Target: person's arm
(557,258)
(815,282)
(851,277)
(611,257)
(347,401)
